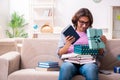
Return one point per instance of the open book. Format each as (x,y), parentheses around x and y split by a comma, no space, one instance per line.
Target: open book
(77,58)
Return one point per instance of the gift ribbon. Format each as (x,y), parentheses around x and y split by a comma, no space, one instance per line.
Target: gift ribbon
(96,39)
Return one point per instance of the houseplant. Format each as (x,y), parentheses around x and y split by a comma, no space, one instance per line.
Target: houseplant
(16,25)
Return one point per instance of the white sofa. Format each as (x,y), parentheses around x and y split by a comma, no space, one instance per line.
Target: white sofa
(21,66)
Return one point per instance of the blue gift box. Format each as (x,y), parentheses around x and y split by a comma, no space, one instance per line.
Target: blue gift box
(94,38)
(116,69)
(84,50)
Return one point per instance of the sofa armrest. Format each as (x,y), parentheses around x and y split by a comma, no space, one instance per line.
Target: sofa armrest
(9,62)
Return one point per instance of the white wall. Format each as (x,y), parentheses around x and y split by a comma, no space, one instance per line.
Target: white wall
(101,11)
(65,9)
(4,15)
(20,6)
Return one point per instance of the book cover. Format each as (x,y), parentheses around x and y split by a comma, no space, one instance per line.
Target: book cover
(70,31)
(48,66)
(80,61)
(48,63)
(78,58)
(47,69)
(74,55)
(82,58)
(64,56)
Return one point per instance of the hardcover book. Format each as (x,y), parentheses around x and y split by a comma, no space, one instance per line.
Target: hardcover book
(78,58)
(81,61)
(74,55)
(70,31)
(48,63)
(48,66)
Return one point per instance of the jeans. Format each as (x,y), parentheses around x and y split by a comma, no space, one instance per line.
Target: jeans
(69,70)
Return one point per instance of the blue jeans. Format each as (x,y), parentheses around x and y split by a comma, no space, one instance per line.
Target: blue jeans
(69,70)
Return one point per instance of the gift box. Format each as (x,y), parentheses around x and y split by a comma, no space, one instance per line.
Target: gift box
(94,38)
(85,50)
(116,69)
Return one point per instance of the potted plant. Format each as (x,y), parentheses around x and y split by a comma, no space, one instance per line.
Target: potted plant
(17,24)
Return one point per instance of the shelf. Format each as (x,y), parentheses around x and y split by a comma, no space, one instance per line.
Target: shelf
(47,13)
(42,6)
(48,35)
(42,18)
(42,12)
(42,1)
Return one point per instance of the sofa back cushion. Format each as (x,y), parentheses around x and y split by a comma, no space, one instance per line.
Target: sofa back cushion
(35,50)
(112,51)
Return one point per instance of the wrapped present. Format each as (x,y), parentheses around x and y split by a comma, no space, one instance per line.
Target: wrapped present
(85,50)
(94,38)
(116,69)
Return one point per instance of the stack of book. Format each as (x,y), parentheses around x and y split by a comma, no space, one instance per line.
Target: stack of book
(47,66)
(78,58)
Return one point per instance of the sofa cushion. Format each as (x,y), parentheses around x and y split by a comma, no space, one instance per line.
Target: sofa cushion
(32,74)
(35,50)
(32,63)
(110,59)
(112,76)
